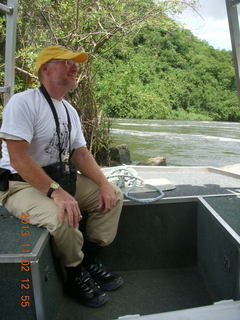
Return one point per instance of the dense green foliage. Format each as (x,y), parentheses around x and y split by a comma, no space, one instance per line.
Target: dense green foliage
(167,75)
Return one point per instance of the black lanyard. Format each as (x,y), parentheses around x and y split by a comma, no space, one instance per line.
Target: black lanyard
(49,100)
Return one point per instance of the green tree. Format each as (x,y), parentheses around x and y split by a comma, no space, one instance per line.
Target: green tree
(167,74)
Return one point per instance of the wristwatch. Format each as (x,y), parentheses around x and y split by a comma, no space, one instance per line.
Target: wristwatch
(53,186)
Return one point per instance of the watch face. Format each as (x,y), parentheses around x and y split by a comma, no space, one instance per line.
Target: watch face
(54,185)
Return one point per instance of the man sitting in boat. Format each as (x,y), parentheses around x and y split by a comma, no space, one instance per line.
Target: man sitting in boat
(41,130)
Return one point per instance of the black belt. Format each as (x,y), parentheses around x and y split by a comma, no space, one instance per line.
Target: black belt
(50,169)
(16,177)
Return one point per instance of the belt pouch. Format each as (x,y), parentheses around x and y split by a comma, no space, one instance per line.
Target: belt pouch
(4,179)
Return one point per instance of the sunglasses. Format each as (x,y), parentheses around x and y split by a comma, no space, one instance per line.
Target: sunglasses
(68,63)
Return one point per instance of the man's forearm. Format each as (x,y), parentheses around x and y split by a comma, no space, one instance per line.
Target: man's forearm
(32,173)
(28,169)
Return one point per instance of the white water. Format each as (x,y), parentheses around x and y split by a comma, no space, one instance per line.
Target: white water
(183,143)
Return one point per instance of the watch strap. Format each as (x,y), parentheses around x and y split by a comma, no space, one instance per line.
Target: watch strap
(54,186)
(50,191)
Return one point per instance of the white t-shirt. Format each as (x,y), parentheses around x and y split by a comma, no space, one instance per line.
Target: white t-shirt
(28,116)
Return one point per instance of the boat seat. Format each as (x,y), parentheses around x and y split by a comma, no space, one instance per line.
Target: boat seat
(31,285)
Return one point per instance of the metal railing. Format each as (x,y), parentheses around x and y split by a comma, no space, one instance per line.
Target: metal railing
(10,46)
(233,21)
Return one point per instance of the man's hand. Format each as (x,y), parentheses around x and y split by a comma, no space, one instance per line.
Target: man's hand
(67,205)
(107,197)
(86,164)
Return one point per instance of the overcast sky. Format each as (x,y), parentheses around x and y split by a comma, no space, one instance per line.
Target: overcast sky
(213,26)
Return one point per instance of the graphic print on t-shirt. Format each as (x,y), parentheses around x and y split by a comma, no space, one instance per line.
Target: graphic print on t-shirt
(52,148)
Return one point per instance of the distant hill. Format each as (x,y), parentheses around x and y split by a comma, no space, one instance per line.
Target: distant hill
(167,75)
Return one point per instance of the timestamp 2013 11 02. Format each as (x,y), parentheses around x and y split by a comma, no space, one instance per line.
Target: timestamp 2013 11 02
(25,264)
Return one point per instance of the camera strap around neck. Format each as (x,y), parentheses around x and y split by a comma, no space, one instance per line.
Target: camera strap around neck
(50,102)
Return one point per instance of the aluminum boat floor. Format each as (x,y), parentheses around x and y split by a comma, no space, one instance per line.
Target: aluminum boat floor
(145,292)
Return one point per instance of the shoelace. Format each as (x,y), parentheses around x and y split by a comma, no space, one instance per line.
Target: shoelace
(98,270)
(86,282)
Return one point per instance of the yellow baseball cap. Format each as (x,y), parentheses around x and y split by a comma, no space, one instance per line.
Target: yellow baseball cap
(57,52)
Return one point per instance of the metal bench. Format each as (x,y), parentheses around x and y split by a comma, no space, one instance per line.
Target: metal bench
(30,286)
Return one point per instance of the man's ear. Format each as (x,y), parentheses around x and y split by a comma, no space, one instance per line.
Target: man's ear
(44,68)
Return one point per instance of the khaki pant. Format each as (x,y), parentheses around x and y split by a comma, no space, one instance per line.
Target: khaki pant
(68,241)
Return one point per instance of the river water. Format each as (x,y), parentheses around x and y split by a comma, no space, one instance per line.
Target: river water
(183,143)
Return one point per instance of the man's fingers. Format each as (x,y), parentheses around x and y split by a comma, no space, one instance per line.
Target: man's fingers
(76,218)
(107,198)
(100,203)
(73,214)
(61,214)
(70,217)
(106,203)
(67,206)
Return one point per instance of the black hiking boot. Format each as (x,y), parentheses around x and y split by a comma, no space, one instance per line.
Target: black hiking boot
(82,287)
(106,280)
